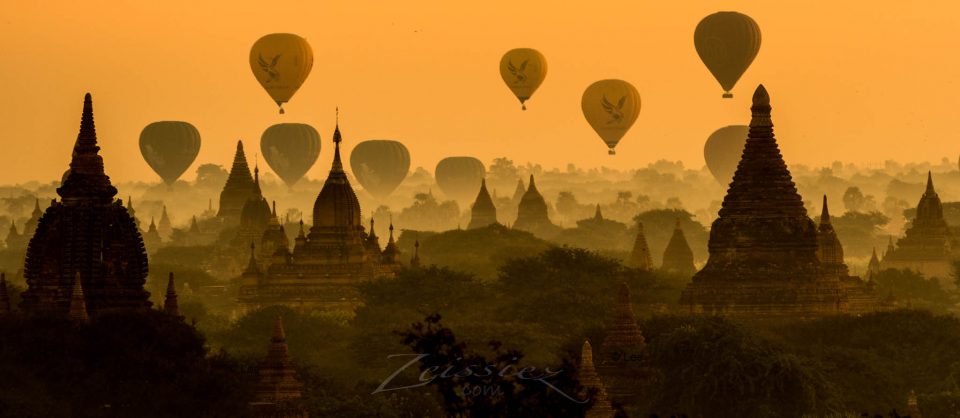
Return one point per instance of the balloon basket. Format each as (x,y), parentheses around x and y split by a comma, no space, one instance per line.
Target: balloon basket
(523,107)
(611,151)
(728,95)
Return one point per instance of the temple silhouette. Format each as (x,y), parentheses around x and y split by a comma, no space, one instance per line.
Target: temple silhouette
(86,245)
(765,254)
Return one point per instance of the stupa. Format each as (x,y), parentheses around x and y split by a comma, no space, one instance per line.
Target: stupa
(483,212)
(928,244)
(677,256)
(532,213)
(640,255)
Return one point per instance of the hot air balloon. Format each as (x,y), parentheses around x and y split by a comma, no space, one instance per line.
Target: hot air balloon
(723,150)
(611,107)
(169,147)
(290,149)
(281,62)
(380,165)
(727,43)
(523,69)
(460,177)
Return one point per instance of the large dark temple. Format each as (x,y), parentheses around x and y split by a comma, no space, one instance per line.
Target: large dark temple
(239,189)
(763,246)
(88,236)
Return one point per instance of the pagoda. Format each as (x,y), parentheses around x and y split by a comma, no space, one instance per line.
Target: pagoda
(532,213)
(164,228)
(151,238)
(861,296)
(239,188)
(326,265)
(31,225)
(928,245)
(590,380)
(483,212)
(677,256)
(640,255)
(87,235)
(278,392)
(621,352)
(254,218)
(763,247)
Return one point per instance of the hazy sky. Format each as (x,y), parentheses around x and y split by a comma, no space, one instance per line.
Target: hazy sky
(849,80)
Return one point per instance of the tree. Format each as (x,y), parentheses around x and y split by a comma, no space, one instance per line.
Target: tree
(470,385)
(853,199)
(211,176)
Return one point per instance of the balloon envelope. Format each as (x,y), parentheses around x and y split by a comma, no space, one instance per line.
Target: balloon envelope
(281,62)
(523,70)
(727,43)
(380,165)
(169,147)
(723,150)
(611,107)
(460,177)
(290,149)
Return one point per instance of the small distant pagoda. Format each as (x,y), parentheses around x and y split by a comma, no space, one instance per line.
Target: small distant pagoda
(590,380)
(640,255)
(928,244)
(532,213)
(278,393)
(677,256)
(763,247)
(483,212)
(86,242)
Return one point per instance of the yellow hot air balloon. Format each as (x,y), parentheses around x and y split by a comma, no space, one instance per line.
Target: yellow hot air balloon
(281,62)
(611,107)
(523,69)
(727,43)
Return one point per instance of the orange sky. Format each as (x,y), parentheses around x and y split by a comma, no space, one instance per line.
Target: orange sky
(853,81)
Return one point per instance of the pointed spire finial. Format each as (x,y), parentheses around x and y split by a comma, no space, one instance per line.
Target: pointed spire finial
(761,108)
(825,212)
(170,305)
(586,355)
(598,215)
(930,189)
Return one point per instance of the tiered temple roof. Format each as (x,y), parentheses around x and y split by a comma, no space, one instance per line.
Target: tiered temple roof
(763,246)
(278,392)
(87,234)
(928,243)
(590,380)
(238,189)
(483,212)
(532,213)
(640,255)
(621,351)
(677,256)
(829,249)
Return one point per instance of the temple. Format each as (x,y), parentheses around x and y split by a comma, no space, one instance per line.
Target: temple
(677,256)
(151,238)
(621,352)
(640,254)
(164,228)
(927,246)
(532,213)
(278,392)
(763,247)
(590,380)
(483,212)
(239,188)
(326,265)
(87,236)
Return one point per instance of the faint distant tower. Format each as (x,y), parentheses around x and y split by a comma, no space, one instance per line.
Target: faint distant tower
(873,267)
(31,225)
(483,212)
(519,191)
(927,245)
(133,213)
(14,239)
(640,255)
(151,238)
(87,234)
(829,249)
(391,253)
(238,189)
(532,213)
(590,380)
(278,393)
(255,216)
(415,260)
(678,257)
(170,305)
(164,227)
(274,240)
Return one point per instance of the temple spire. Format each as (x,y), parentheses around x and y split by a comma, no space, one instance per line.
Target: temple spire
(78,303)
(337,165)
(825,212)
(930,189)
(415,260)
(170,305)
(252,267)
(597,215)
(86,178)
